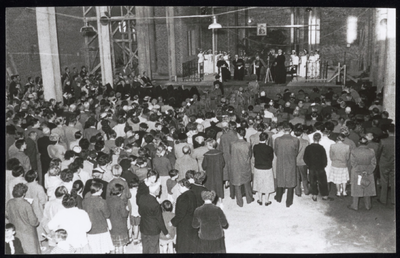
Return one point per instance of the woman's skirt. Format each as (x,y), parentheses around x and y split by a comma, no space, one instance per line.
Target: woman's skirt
(100,243)
(263,181)
(212,246)
(120,240)
(339,175)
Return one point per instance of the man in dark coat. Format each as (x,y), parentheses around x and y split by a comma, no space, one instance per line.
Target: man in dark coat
(152,222)
(213,164)
(32,152)
(45,159)
(187,240)
(316,160)
(238,63)
(386,166)
(286,150)
(240,172)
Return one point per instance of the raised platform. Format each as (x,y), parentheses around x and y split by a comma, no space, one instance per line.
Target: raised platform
(271,89)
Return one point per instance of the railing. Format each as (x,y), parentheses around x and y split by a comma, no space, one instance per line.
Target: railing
(317,71)
(192,72)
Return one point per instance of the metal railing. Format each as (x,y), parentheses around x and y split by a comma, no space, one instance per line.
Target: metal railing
(192,72)
(317,71)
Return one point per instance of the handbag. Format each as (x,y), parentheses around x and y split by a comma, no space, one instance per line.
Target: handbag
(365,182)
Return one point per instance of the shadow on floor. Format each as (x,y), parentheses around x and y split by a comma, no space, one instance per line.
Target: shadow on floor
(368,231)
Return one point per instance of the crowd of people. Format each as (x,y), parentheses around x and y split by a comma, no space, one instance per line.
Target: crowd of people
(138,163)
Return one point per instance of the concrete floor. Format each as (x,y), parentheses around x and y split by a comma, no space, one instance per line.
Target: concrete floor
(307,227)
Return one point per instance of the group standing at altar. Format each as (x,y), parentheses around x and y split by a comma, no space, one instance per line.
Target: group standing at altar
(277,65)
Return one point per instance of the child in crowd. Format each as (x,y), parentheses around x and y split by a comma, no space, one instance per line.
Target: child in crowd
(13,244)
(135,217)
(166,244)
(62,247)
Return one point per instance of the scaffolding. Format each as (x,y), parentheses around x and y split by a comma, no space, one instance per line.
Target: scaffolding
(122,25)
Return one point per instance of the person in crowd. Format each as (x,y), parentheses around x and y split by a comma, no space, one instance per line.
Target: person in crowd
(17,178)
(187,239)
(12,243)
(143,187)
(119,212)
(62,246)
(162,165)
(238,64)
(280,69)
(197,186)
(316,159)
(302,175)
(211,222)
(363,164)
(340,156)
(263,182)
(167,244)
(213,164)
(229,135)
(152,221)
(186,162)
(117,171)
(21,214)
(386,166)
(223,69)
(20,154)
(286,149)
(99,237)
(37,195)
(75,221)
(240,163)
(134,216)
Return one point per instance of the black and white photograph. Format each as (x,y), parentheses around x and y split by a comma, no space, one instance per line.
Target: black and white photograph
(199,129)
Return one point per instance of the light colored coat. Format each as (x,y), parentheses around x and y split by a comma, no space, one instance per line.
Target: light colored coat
(240,161)
(362,159)
(286,150)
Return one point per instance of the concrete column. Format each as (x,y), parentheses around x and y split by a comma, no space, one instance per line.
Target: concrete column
(389,89)
(143,41)
(317,16)
(381,36)
(104,47)
(169,10)
(292,22)
(152,39)
(48,50)
(374,48)
(301,30)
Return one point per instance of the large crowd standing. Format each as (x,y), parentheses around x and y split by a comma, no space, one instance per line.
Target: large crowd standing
(136,162)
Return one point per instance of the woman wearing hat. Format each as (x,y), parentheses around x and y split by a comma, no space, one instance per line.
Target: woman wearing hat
(211,222)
